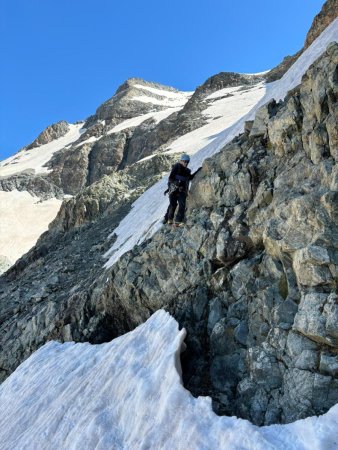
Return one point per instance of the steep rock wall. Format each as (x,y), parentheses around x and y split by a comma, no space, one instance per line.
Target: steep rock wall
(253,276)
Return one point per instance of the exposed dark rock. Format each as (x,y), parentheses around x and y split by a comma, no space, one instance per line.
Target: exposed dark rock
(70,168)
(110,193)
(96,129)
(51,133)
(107,154)
(223,80)
(38,185)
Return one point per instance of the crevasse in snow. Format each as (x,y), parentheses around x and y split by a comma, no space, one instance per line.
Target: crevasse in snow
(128,394)
(145,217)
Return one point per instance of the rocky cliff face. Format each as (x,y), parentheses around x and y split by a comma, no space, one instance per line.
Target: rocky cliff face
(111,192)
(37,185)
(253,275)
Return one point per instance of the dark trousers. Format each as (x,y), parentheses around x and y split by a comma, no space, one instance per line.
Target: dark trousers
(175,198)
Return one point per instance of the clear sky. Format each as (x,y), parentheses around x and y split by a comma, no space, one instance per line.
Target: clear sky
(61,59)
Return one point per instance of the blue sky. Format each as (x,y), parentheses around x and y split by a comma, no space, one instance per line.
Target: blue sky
(62,59)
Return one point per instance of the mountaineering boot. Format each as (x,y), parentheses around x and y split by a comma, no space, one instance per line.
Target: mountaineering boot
(170,222)
(179,224)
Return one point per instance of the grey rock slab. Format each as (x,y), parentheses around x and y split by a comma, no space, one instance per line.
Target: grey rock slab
(317,318)
(328,364)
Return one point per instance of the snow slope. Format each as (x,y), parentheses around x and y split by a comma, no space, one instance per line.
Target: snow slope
(167,98)
(35,159)
(164,93)
(144,218)
(128,394)
(136,121)
(23,219)
(174,102)
(221,114)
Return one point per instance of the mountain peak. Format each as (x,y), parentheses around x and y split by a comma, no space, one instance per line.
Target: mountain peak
(137,96)
(49,134)
(139,83)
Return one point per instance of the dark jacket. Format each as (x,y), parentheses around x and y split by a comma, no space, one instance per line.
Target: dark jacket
(181,176)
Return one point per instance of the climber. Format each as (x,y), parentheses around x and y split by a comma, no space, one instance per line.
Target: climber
(178,186)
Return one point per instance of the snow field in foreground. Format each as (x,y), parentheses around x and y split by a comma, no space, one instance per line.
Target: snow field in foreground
(128,394)
(37,157)
(147,211)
